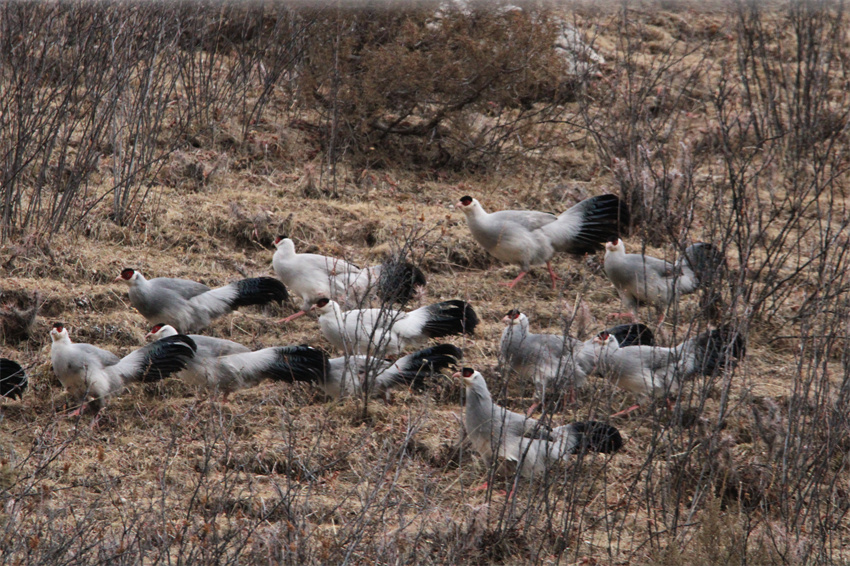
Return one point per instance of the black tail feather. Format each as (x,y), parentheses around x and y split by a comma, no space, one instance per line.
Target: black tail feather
(604,219)
(450,318)
(596,436)
(259,291)
(167,356)
(704,259)
(298,363)
(718,349)
(637,334)
(709,265)
(412,370)
(13,379)
(398,281)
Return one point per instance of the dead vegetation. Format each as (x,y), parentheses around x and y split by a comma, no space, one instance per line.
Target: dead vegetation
(353,132)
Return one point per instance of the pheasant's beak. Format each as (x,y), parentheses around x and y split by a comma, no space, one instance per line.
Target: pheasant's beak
(117,279)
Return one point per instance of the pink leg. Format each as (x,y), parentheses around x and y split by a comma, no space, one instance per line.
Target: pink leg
(626,411)
(629,316)
(292,317)
(515,281)
(485,486)
(532,408)
(571,397)
(77,412)
(552,275)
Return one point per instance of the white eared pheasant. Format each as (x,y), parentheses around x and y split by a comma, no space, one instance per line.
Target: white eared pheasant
(388,332)
(497,432)
(652,370)
(349,376)
(555,361)
(642,279)
(189,306)
(528,238)
(88,372)
(314,276)
(226,366)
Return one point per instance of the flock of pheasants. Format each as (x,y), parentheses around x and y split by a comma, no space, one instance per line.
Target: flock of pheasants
(374,341)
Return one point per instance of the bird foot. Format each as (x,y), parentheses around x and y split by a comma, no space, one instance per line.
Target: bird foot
(531,409)
(291,317)
(481,487)
(553,275)
(625,412)
(513,283)
(76,412)
(622,315)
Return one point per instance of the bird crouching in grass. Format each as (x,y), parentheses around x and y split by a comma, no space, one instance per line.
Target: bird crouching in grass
(388,332)
(189,306)
(92,374)
(497,432)
(357,375)
(313,277)
(225,366)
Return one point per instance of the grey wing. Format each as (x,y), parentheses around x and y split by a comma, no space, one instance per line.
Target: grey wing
(644,278)
(183,287)
(528,219)
(517,425)
(557,346)
(653,358)
(217,347)
(105,357)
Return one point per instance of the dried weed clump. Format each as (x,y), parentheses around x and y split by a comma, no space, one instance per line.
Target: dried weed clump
(353,131)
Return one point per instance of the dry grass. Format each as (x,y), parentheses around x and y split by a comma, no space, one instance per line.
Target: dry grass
(278,475)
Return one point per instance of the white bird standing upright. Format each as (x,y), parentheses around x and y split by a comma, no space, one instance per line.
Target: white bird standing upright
(650,370)
(527,238)
(225,366)
(389,332)
(313,277)
(551,360)
(189,306)
(641,279)
(88,372)
(495,431)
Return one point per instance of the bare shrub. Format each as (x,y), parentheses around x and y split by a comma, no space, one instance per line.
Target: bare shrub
(463,90)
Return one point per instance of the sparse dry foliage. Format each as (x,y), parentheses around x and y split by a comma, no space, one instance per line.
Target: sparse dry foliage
(180,139)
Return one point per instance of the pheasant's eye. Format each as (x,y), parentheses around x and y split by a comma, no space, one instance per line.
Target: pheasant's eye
(127,273)
(156,329)
(322,302)
(604,335)
(467,372)
(58,326)
(466,200)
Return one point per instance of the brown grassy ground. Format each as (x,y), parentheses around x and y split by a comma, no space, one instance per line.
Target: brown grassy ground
(280,475)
